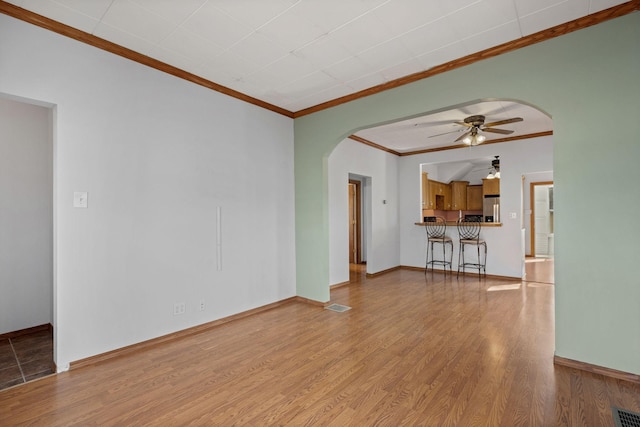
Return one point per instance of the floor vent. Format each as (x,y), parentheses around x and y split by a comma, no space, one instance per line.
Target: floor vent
(623,418)
(338,308)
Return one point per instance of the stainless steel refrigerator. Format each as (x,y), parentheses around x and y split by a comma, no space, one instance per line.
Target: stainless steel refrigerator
(491,209)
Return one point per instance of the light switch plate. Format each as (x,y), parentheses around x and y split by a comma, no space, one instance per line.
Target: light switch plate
(513,215)
(80,199)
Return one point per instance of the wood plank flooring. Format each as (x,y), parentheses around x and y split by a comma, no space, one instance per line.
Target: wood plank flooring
(414,350)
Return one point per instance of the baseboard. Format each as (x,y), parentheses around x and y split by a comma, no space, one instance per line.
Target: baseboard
(312,302)
(174,336)
(339,285)
(595,369)
(380,273)
(26,331)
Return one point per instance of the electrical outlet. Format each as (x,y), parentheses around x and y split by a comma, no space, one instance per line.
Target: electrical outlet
(179,308)
(202,306)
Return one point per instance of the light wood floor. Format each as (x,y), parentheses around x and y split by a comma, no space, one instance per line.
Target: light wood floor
(411,351)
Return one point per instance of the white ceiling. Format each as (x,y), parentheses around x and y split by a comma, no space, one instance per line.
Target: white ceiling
(296,54)
(439,130)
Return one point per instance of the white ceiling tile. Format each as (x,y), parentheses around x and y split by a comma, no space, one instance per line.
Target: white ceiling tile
(349,69)
(133,19)
(404,69)
(527,7)
(216,26)
(231,64)
(443,55)
(259,49)
(481,16)
(173,11)
(62,13)
(385,55)
(362,34)
(125,39)
(552,16)
(332,14)
(94,8)
(253,13)
(291,30)
(401,16)
(320,97)
(429,37)
(176,59)
(598,5)
(290,68)
(191,46)
(366,81)
(307,86)
(493,37)
(324,52)
(452,6)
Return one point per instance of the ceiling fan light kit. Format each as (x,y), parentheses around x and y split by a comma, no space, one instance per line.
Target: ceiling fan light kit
(495,168)
(476,124)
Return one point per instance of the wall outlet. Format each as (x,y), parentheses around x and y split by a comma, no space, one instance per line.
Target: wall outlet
(179,308)
(202,306)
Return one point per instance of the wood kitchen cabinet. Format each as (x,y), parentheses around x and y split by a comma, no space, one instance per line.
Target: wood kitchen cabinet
(474,197)
(491,187)
(439,196)
(459,195)
(425,191)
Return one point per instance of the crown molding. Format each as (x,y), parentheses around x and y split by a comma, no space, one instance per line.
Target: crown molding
(84,37)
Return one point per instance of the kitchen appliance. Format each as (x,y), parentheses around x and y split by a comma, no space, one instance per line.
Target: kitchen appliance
(491,208)
(474,218)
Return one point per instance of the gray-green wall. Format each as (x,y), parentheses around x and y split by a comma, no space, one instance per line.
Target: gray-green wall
(589,82)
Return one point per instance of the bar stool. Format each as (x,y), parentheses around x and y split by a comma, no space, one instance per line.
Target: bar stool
(469,233)
(436,228)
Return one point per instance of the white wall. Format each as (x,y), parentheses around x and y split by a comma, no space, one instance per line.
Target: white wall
(383,245)
(26,216)
(517,158)
(157,156)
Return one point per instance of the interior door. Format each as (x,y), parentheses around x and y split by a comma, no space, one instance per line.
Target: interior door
(354,222)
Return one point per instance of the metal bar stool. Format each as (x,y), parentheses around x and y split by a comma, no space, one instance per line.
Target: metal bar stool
(436,228)
(469,233)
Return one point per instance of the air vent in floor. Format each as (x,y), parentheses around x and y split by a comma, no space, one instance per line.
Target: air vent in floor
(624,418)
(338,308)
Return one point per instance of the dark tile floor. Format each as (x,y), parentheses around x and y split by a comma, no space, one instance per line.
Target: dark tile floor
(25,358)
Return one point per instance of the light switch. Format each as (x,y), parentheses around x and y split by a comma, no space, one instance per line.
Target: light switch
(80,199)
(513,215)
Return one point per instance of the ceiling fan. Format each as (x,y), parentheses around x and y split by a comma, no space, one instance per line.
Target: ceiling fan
(476,124)
(494,169)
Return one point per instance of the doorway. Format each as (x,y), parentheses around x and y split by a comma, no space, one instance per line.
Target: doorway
(355,222)
(542,236)
(26,247)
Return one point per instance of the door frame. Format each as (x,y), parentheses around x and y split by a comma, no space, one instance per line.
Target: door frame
(532,204)
(356,227)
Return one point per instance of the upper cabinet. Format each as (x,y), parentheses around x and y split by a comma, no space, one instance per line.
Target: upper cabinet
(491,187)
(439,196)
(459,195)
(426,201)
(474,197)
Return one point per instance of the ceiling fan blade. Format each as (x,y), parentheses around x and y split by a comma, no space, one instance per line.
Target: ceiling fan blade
(504,122)
(463,136)
(446,133)
(502,131)
(469,125)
